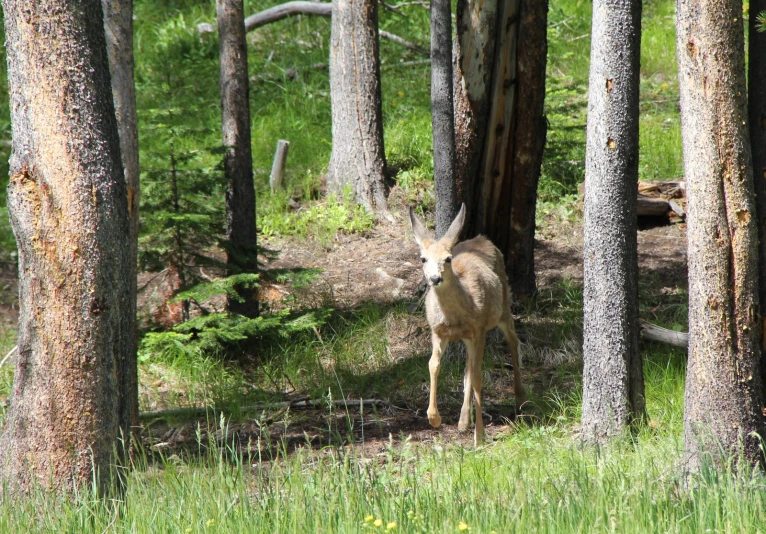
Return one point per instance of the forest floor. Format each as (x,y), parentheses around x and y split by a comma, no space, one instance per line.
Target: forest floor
(379,268)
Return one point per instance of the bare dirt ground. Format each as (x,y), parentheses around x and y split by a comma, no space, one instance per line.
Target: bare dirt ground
(382,267)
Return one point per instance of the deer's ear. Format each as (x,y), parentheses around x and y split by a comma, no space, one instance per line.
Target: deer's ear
(422,235)
(451,237)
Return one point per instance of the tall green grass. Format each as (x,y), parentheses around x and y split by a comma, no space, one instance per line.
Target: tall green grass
(537,477)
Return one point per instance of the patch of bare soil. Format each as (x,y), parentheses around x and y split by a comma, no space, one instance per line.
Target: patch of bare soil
(661,252)
(382,266)
(369,431)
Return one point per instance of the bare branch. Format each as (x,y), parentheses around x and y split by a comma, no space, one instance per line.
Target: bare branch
(395,38)
(319,9)
(288,9)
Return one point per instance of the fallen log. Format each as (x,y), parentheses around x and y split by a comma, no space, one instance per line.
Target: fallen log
(651,206)
(652,332)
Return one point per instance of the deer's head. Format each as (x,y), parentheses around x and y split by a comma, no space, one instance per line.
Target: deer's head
(436,254)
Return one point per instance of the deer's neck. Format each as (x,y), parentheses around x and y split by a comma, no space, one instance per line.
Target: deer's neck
(452,298)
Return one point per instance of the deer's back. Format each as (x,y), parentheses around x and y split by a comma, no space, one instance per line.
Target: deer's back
(479,268)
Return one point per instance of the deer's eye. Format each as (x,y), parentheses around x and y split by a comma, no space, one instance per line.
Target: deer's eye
(422,260)
(448,259)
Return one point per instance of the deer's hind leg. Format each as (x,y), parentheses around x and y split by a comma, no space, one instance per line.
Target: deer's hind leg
(475,350)
(509,330)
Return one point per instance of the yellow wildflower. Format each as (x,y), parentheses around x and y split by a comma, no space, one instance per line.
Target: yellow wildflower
(400,93)
(463,526)
(391,525)
(378,522)
(368,518)
(210,522)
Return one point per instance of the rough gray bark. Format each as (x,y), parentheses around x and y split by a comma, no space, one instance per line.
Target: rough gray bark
(757,114)
(358,159)
(68,205)
(722,399)
(118,26)
(613,383)
(443,115)
(500,55)
(238,160)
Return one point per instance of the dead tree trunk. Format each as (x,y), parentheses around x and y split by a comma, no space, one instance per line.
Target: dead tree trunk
(757,114)
(118,25)
(500,129)
(443,115)
(722,400)
(613,377)
(68,205)
(357,158)
(238,160)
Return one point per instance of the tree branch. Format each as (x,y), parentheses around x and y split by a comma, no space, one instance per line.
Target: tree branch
(653,332)
(395,38)
(298,7)
(288,9)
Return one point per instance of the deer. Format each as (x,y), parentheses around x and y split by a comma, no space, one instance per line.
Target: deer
(468,295)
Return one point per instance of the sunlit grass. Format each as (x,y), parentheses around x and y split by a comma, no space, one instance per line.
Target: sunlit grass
(536,477)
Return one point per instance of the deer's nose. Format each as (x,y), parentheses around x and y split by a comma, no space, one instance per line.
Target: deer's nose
(435,280)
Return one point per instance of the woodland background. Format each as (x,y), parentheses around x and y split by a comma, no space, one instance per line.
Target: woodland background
(339,320)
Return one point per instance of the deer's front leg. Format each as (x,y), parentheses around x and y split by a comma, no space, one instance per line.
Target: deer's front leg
(465,411)
(433,367)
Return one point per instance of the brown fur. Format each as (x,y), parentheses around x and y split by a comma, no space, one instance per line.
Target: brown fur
(469,296)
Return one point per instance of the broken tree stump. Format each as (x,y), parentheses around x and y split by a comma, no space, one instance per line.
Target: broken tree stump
(278,168)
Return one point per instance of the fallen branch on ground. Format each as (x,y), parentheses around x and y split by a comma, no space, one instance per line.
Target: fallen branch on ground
(653,332)
(395,38)
(299,403)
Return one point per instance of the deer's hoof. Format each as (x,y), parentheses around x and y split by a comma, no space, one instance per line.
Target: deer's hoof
(435,420)
(462,425)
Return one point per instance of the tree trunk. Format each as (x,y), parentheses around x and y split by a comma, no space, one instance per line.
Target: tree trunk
(500,126)
(613,380)
(357,159)
(118,25)
(68,205)
(238,160)
(757,115)
(722,400)
(443,115)
(530,129)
